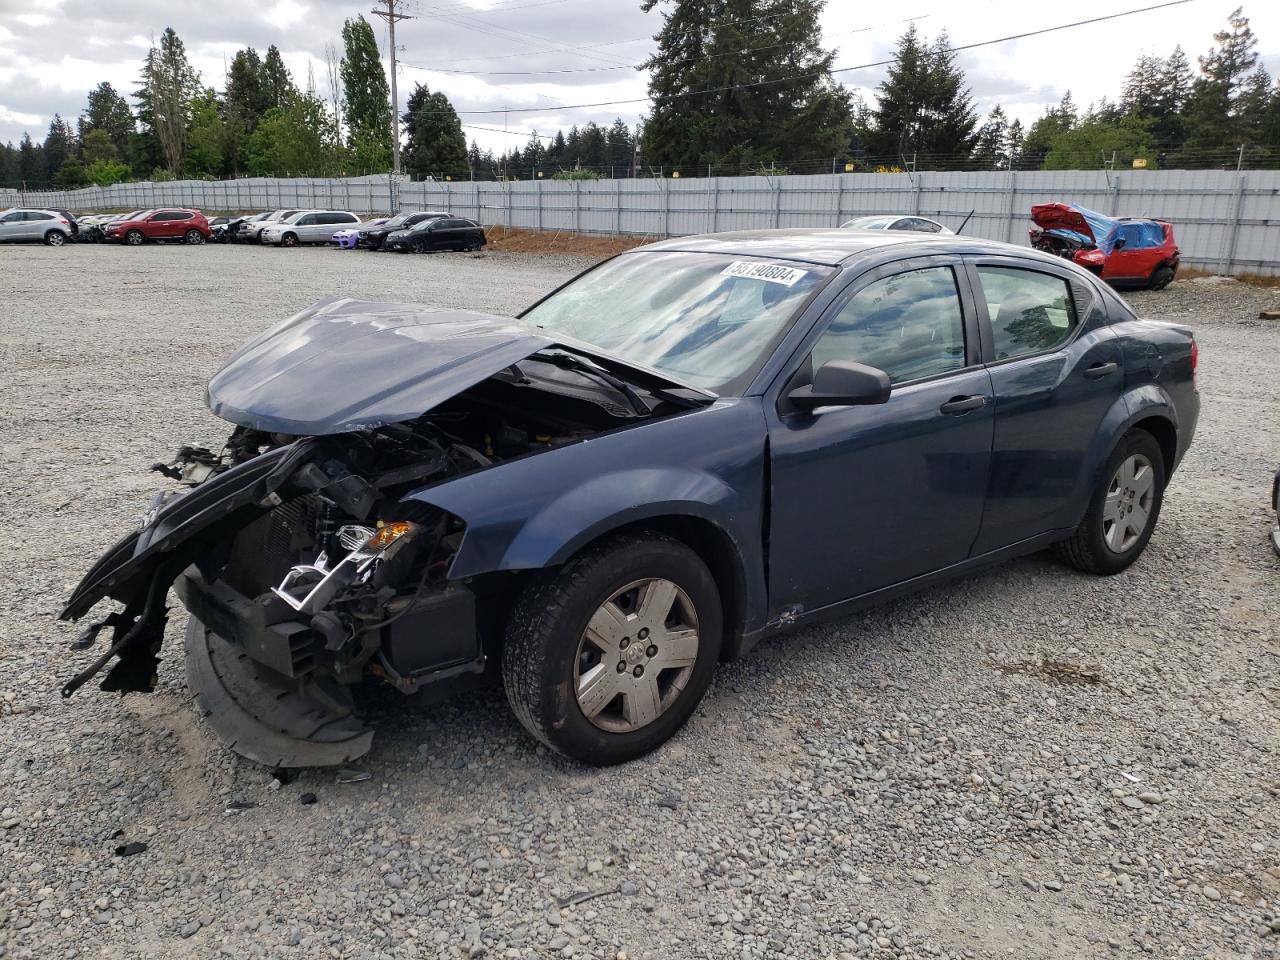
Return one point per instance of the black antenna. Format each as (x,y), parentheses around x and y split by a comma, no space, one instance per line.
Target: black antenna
(960,229)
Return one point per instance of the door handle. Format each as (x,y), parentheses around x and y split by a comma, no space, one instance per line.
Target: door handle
(959,406)
(1100,370)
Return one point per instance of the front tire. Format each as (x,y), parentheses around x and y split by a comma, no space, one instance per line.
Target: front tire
(134,238)
(1123,511)
(288,240)
(417,246)
(607,657)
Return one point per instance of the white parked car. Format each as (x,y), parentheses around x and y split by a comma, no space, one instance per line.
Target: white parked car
(307,226)
(47,226)
(896,222)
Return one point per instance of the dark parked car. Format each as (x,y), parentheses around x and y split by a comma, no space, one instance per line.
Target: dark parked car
(170,224)
(685,449)
(371,238)
(441,233)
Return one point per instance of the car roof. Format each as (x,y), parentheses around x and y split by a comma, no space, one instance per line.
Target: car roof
(836,246)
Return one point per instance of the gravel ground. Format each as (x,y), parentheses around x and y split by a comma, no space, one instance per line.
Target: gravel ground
(1030,762)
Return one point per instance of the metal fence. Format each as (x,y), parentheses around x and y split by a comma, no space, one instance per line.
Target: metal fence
(1225,221)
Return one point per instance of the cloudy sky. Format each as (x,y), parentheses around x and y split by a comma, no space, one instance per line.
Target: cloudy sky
(500,52)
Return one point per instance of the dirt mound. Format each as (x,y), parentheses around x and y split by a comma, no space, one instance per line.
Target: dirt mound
(515,240)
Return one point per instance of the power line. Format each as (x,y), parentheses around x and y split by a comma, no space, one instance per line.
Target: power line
(834,70)
(638,66)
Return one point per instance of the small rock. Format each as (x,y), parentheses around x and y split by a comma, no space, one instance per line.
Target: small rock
(189,929)
(1212,893)
(1133,803)
(394,881)
(629,888)
(920,878)
(1151,797)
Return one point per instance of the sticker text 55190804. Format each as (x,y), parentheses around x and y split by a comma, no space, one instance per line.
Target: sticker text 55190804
(769,272)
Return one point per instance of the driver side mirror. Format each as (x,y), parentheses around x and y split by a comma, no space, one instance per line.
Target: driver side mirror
(842,383)
(1119,244)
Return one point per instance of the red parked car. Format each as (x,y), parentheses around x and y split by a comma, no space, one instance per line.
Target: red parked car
(166,223)
(1126,252)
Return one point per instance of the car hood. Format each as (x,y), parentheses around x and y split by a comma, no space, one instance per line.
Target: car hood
(343,365)
(1091,227)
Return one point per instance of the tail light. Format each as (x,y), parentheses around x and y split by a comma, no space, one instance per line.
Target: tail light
(1195,359)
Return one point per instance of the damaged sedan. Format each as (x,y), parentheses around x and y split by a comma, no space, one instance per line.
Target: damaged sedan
(689,447)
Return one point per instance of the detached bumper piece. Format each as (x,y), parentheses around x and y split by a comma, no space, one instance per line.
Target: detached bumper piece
(309,725)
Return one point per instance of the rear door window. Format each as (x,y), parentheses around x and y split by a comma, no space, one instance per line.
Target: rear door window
(1031,312)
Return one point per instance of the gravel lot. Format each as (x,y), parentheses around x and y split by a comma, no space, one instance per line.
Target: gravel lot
(1028,763)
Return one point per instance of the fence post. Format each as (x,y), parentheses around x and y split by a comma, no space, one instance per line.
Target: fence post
(617,201)
(917,182)
(1012,221)
(715,203)
(577,206)
(777,204)
(839,199)
(1115,194)
(539,206)
(1234,235)
(666,207)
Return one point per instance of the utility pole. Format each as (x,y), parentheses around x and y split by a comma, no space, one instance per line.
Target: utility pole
(391,17)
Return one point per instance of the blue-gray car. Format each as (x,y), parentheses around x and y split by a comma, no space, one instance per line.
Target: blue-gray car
(686,448)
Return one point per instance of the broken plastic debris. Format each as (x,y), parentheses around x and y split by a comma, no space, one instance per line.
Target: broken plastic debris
(240,806)
(352,775)
(307,798)
(131,849)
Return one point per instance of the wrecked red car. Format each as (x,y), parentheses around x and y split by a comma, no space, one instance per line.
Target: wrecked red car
(1125,252)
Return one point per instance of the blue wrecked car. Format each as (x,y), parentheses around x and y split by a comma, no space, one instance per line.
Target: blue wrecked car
(688,447)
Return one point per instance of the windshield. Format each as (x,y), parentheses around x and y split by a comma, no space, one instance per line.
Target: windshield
(398,220)
(706,319)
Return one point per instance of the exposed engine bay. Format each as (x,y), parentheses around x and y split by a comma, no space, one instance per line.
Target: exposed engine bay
(306,568)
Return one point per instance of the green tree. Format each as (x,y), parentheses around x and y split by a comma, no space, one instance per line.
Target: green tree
(1013,144)
(278,88)
(109,112)
(59,146)
(436,146)
(366,96)
(1092,142)
(736,83)
(206,136)
(1217,108)
(620,145)
(991,149)
(1040,138)
(292,141)
(169,84)
(923,106)
(105,172)
(70,175)
(97,145)
(31,166)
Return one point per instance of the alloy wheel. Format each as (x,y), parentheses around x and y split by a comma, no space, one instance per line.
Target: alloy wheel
(636,655)
(1127,508)
(55,239)
(133,238)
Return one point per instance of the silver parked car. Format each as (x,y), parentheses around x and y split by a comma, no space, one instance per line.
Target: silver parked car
(896,222)
(46,226)
(251,230)
(308,226)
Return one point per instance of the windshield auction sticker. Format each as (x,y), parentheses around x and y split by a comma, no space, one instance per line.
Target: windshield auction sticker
(769,272)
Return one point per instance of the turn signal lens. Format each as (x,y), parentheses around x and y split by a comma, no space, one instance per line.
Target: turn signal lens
(388,534)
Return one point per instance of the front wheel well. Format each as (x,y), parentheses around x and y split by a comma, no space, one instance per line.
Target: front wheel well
(716,549)
(1166,435)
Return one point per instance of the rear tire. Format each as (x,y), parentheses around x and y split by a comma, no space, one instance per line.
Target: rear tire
(193,237)
(1130,489)
(55,238)
(552,665)
(1161,277)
